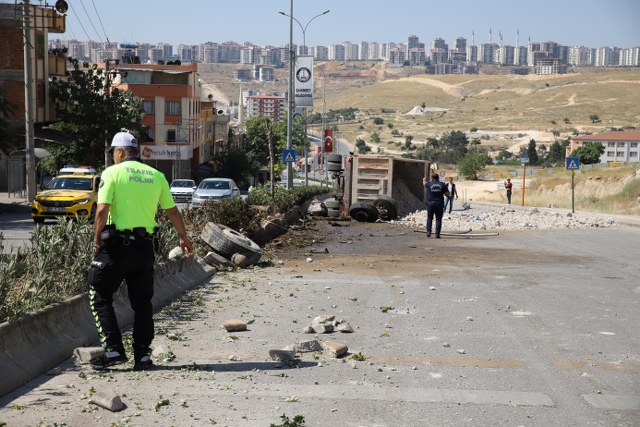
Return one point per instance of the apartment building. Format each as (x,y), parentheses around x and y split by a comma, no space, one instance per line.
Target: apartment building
(172,103)
(266,106)
(45,63)
(618,146)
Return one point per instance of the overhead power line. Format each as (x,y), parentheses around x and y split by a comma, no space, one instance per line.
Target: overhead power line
(90,20)
(100,20)
(79,22)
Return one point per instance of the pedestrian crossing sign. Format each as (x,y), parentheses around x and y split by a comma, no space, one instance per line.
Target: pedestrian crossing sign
(289,156)
(573,163)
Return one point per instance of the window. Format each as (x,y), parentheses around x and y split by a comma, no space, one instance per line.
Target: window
(611,144)
(620,154)
(620,144)
(172,108)
(634,145)
(633,154)
(171,135)
(149,107)
(610,153)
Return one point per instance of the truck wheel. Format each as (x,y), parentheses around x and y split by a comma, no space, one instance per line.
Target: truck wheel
(363,212)
(387,208)
(227,242)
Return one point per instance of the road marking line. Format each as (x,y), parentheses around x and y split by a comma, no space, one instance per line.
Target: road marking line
(613,401)
(419,395)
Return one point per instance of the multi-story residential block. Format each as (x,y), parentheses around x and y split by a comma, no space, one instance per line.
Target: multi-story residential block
(363,51)
(486,52)
(630,57)
(546,66)
(172,103)
(618,146)
(579,56)
(472,53)
(266,106)
(397,56)
(321,53)
(336,52)
(374,51)
(44,65)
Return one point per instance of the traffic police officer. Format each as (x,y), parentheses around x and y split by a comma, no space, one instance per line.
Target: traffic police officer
(124,231)
(436,191)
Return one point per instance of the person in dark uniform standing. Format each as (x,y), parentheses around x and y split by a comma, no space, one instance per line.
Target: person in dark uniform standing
(124,232)
(436,191)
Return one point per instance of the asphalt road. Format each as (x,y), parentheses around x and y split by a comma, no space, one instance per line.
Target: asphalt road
(528,328)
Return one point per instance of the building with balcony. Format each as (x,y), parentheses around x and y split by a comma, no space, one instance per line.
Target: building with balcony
(270,106)
(171,97)
(618,146)
(45,63)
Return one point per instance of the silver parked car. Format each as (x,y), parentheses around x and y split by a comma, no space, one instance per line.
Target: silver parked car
(182,190)
(214,189)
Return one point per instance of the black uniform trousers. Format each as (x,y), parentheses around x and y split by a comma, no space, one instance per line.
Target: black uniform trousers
(434,209)
(130,260)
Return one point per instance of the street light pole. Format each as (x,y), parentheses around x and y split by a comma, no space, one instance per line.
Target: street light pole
(291,98)
(292,104)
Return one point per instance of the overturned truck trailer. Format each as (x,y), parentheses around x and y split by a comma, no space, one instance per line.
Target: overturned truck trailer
(392,185)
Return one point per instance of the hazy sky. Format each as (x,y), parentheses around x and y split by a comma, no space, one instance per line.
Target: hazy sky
(593,23)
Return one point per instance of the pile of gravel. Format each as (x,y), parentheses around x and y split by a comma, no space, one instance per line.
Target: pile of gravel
(503,218)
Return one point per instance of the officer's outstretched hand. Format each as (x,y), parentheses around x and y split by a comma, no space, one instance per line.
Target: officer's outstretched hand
(186,246)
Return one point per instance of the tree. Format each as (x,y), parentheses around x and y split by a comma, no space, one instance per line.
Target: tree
(91,115)
(408,141)
(378,121)
(453,145)
(533,153)
(6,110)
(472,163)
(362,146)
(375,138)
(589,153)
(594,118)
(556,154)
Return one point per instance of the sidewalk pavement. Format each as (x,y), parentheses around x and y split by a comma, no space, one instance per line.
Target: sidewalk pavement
(14,203)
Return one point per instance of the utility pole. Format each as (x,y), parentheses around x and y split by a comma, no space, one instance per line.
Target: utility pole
(29,84)
(291,98)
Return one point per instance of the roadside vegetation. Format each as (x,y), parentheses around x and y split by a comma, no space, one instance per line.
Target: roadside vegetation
(54,266)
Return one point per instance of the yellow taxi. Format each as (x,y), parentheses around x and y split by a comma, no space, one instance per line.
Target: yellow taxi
(73,195)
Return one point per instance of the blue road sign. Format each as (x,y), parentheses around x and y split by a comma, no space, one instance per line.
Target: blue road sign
(289,156)
(573,163)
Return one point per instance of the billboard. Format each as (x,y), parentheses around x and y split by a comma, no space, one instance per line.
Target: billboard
(165,152)
(303,81)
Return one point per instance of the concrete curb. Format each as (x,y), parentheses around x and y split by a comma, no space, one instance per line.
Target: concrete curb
(39,341)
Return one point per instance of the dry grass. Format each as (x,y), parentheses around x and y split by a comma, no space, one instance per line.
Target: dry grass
(605,190)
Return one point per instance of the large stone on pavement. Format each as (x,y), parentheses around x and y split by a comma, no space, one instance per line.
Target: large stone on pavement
(234,325)
(337,349)
(86,355)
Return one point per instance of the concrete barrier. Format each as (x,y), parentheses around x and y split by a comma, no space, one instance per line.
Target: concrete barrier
(37,342)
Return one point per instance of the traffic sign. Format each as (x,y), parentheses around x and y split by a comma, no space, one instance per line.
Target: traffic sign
(573,163)
(524,158)
(289,156)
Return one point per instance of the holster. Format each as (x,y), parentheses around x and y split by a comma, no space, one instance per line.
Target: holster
(109,237)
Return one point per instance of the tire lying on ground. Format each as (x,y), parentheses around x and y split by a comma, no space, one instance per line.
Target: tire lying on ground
(387,207)
(227,242)
(363,212)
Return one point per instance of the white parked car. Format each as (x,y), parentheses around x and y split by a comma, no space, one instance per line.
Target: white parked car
(182,190)
(215,189)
